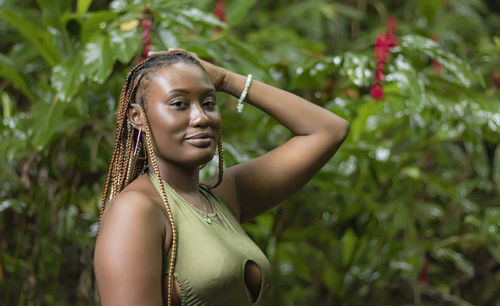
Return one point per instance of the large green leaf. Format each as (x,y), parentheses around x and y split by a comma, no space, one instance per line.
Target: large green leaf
(238,10)
(51,12)
(98,58)
(167,39)
(349,241)
(356,68)
(7,105)
(369,115)
(9,71)
(410,85)
(198,16)
(461,71)
(82,6)
(124,44)
(47,118)
(35,33)
(67,78)
(457,258)
(478,157)
(94,22)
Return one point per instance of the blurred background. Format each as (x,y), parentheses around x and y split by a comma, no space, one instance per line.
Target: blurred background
(406,213)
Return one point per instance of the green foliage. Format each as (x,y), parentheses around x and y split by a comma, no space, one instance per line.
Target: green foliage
(407,211)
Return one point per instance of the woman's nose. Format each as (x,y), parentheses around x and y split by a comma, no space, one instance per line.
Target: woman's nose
(198,116)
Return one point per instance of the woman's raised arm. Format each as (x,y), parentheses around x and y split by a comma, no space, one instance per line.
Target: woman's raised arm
(252,187)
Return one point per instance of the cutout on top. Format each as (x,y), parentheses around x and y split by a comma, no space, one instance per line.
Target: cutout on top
(253,280)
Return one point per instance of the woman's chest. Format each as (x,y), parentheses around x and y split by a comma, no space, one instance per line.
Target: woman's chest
(218,265)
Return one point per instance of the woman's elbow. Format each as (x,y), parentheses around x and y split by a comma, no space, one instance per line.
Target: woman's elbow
(338,130)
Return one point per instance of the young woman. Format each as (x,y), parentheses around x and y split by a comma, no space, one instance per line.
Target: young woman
(166,238)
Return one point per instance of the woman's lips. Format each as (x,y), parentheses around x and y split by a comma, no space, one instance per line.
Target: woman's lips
(201,142)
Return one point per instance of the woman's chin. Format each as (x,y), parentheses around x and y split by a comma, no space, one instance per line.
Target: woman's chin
(204,161)
(200,159)
(194,157)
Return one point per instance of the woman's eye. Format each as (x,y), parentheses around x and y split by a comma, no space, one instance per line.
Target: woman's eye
(209,103)
(177,103)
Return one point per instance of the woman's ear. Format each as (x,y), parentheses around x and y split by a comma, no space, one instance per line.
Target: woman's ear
(135,116)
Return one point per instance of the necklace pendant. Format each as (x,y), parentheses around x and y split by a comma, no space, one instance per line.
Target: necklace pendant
(208,220)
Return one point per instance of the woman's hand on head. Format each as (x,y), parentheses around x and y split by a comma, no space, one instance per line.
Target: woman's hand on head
(217,74)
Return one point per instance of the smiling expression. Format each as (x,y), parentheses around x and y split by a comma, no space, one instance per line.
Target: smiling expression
(183,115)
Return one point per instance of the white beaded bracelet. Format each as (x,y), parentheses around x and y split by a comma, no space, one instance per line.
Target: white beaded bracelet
(239,107)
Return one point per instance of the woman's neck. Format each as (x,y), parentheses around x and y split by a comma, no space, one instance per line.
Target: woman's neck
(183,179)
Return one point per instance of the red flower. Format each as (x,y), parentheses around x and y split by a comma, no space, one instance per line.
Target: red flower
(383,44)
(381,49)
(424,274)
(495,77)
(377,92)
(392,23)
(146,50)
(146,25)
(220,10)
(438,68)
(390,39)
(379,75)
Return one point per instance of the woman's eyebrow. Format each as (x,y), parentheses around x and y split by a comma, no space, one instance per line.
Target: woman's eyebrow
(209,91)
(182,90)
(206,92)
(174,91)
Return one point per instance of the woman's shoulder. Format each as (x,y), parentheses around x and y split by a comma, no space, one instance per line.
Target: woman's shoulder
(133,200)
(142,191)
(136,204)
(133,206)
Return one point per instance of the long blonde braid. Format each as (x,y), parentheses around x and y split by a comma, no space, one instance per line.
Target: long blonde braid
(164,198)
(220,151)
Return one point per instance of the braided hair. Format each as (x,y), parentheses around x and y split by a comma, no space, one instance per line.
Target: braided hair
(124,166)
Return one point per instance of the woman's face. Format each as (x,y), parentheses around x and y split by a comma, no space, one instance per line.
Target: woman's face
(183,114)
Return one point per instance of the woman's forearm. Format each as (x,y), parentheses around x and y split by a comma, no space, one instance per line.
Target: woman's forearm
(297,114)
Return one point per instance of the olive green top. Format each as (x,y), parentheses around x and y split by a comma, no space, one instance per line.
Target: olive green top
(211,254)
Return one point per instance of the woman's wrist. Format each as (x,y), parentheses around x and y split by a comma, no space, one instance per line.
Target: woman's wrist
(222,79)
(233,83)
